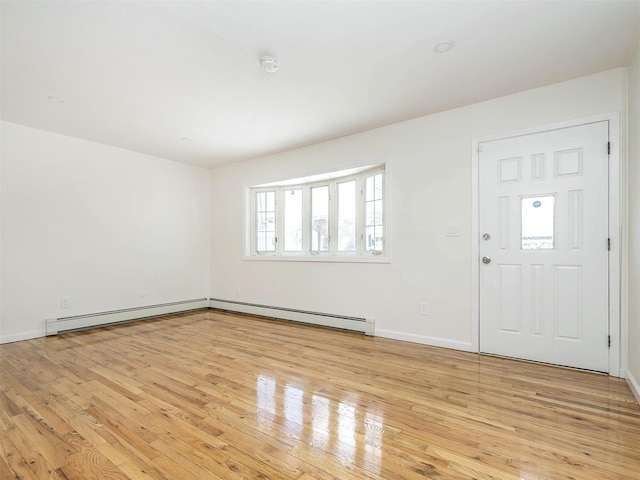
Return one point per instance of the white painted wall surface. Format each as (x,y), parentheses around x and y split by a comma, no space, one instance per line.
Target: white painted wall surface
(430,160)
(105,227)
(633,188)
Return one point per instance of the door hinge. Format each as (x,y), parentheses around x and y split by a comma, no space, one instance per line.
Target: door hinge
(479,147)
(609,341)
(608,148)
(608,244)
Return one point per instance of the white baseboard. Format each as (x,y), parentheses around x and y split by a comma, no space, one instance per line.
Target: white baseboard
(55,326)
(18,337)
(433,341)
(343,322)
(633,385)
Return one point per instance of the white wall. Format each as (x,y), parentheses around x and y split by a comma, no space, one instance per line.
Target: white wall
(99,225)
(633,349)
(431,186)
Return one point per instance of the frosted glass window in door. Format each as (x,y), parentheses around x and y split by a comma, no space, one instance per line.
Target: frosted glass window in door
(538,223)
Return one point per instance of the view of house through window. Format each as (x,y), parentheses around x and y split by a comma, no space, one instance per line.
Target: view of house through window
(293,220)
(339,215)
(347,216)
(373,205)
(265,221)
(320,219)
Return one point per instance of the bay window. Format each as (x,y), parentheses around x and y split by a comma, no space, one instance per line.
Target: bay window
(341,216)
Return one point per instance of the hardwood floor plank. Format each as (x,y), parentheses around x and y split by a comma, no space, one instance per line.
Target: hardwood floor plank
(124,430)
(14,461)
(49,444)
(7,410)
(208,395)
(91,463)
(131,461)
(6,472)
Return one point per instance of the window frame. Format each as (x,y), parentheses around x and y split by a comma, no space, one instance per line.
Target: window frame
(360,254)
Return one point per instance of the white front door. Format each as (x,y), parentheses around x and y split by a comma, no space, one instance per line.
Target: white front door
(543,225)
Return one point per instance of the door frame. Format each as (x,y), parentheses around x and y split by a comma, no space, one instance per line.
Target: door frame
(615,229)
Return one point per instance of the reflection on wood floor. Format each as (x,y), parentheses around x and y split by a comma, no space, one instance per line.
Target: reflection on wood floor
(209,395)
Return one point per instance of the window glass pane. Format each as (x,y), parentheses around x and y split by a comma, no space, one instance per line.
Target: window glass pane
(370,213)
(265,221)
(378,187)
(261,201)
(374,187)
(260,241)
(369,190)
(373,240)
(271,201)
(373,213)
(293,220)
(270,242)
(320,219)
(265,242)
(347,216)
(538,222)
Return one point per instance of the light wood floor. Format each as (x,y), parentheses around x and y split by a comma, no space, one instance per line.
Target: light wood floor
(209,395)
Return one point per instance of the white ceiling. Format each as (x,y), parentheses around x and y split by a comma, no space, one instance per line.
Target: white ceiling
(142,75)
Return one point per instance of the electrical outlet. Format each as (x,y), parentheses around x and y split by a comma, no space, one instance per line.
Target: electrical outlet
(65,302)
(423,309)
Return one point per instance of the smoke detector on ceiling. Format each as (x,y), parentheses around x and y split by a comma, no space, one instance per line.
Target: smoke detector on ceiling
(269,64)
(444,47)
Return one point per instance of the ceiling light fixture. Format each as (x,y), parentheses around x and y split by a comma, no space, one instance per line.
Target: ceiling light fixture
(269,64)
(55,99)
(443,47)
(187,139)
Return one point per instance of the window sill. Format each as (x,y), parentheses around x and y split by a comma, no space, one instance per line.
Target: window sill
(317,258)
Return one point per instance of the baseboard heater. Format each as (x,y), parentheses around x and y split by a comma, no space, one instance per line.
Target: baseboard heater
(355,324)
(56,326)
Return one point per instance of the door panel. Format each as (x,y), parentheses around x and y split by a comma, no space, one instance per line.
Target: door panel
(544,229)
(510,298)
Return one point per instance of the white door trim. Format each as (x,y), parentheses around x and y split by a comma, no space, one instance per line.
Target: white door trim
(615,230)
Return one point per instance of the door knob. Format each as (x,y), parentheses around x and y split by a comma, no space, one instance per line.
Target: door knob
(486,260)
